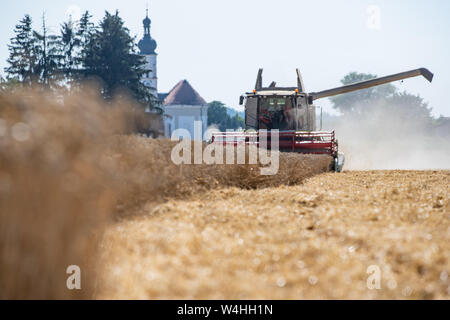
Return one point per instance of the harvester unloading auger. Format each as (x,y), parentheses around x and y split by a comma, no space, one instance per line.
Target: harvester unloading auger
(291,111)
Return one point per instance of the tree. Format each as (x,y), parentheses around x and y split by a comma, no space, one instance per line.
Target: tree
(409,107)
(358,101)
(82,37)
(441,127)
(73,40)
(218,115)
(47,57)
(33,55)
(80,51)
(22,60)
(68,45)
(110,56)
(8,85)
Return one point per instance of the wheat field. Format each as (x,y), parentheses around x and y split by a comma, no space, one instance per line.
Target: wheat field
(77,188)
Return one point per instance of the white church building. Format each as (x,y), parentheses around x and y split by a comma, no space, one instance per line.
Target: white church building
(183,105)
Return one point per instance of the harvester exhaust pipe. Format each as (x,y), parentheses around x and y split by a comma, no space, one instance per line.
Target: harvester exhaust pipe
(372,83)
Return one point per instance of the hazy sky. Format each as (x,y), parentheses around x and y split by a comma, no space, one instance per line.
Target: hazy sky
(218,46)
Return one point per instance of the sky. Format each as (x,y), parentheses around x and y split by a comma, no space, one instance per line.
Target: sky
(218,46)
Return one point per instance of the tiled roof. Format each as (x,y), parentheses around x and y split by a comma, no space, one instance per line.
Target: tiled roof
(184,94)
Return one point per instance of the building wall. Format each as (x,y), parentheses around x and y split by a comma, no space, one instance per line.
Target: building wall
(183,117)
(151,79)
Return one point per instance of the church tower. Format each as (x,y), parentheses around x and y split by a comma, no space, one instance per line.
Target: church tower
(147,48)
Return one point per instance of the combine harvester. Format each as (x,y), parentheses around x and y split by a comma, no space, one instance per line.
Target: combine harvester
(292,112)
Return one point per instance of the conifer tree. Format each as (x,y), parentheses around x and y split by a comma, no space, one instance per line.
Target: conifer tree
(110,56)
(83,35)
(68,46)
(22,60)
(47,57)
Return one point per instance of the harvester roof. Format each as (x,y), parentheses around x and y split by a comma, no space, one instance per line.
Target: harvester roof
(275,92)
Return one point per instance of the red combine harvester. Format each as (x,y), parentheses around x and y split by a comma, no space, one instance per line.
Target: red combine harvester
(291,111)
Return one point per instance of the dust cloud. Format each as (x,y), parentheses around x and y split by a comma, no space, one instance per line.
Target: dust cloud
(387,138)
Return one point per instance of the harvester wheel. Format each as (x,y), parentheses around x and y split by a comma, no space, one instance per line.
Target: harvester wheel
(337,167)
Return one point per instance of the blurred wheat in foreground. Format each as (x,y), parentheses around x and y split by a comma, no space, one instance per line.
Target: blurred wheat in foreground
(67,168)
(55,193)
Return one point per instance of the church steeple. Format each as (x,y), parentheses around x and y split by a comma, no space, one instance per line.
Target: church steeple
(147,23)
(147,45)
(147,48)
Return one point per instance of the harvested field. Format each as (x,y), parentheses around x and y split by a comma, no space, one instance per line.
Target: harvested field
(309,241)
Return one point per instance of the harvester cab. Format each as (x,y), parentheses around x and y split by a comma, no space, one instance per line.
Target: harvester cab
(279,108)
(291,111)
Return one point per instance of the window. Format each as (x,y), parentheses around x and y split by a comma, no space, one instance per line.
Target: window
(276,113)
